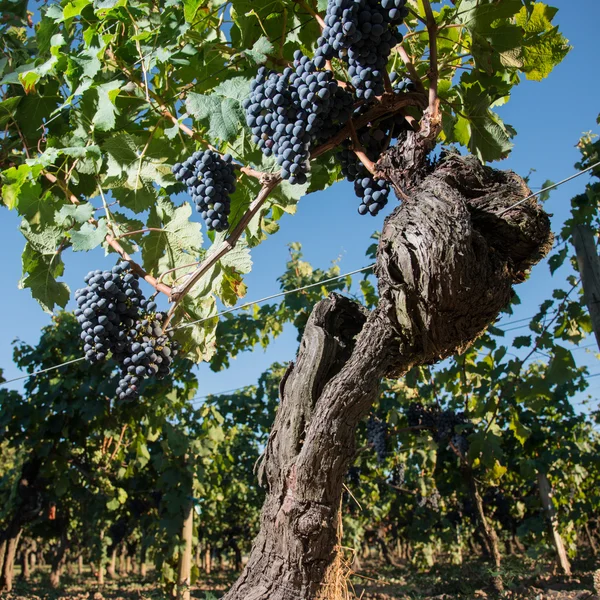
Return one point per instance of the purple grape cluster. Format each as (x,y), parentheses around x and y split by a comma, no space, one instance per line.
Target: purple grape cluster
(289,112)
(362,33)
(116,319)
(106,308)
(210,179)
(374,139)
(377,436)
(441,422)
(149,353)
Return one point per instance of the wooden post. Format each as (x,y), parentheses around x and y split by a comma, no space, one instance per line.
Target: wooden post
(584,240)
(546,497)
(184,581)
(207,559)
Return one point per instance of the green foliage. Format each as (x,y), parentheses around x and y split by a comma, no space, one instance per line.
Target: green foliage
(99,100)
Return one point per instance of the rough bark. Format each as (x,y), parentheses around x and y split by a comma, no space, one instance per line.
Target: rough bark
(591,540)
(112,567)
(122,569)
(207,560)
(12,537)
(447,259)
(143,552)
(25,570)
(28,507)
(545,490)
(237,553)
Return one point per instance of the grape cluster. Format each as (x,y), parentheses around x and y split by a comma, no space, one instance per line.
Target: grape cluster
(461,444)
(353,475)
(149,353)
(374,139)
(432,501)
(106,308)
(442,422)
(116,318)
(362,33)
(288,112)
(376,436)
(210,178)
(398,477)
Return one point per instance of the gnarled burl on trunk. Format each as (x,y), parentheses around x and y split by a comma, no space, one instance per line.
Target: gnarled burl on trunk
(447,260)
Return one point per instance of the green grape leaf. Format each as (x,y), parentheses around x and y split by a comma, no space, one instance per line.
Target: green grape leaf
(39,275)
(89,236)
(260,49)
(544,47)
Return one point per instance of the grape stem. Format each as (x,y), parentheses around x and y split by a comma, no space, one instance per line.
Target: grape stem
(178,293)
(386,106)
(410,67)
(387,82)
(145,230)
(313,12)
(433,74)
(111,240)
(359,150)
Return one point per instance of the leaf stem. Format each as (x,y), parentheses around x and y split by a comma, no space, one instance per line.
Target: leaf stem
(179,292)
(359,150)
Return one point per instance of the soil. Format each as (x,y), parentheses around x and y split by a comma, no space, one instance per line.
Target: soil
(524,580)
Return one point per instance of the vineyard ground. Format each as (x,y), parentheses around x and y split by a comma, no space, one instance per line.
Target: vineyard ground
(524,578)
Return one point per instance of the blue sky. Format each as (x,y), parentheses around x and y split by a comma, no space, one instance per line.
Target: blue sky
(549,118)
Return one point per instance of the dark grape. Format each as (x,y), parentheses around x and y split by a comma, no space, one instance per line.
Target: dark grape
(441,422)
(362,33)
(432,501)
(374,139)
(116,319)
(107,307)
(376,435)
(149,353)
(210,179)
(291,111)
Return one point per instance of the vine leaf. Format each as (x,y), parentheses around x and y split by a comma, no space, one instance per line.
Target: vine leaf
(77,213)
(258,52)
(39,275)
(224,113)
(106,111)
(89,236)
(179,240)
(544,46)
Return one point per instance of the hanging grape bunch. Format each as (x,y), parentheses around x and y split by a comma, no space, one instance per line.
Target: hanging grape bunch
(398,477)
(289,112)
(374,139)
(210,179)
(432,501)
(107,307)
(376,436)
(116,319)
(441,422)
(362,33)
(149,353)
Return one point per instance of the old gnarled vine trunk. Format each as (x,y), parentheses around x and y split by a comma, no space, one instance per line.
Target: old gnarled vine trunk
(447,260)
